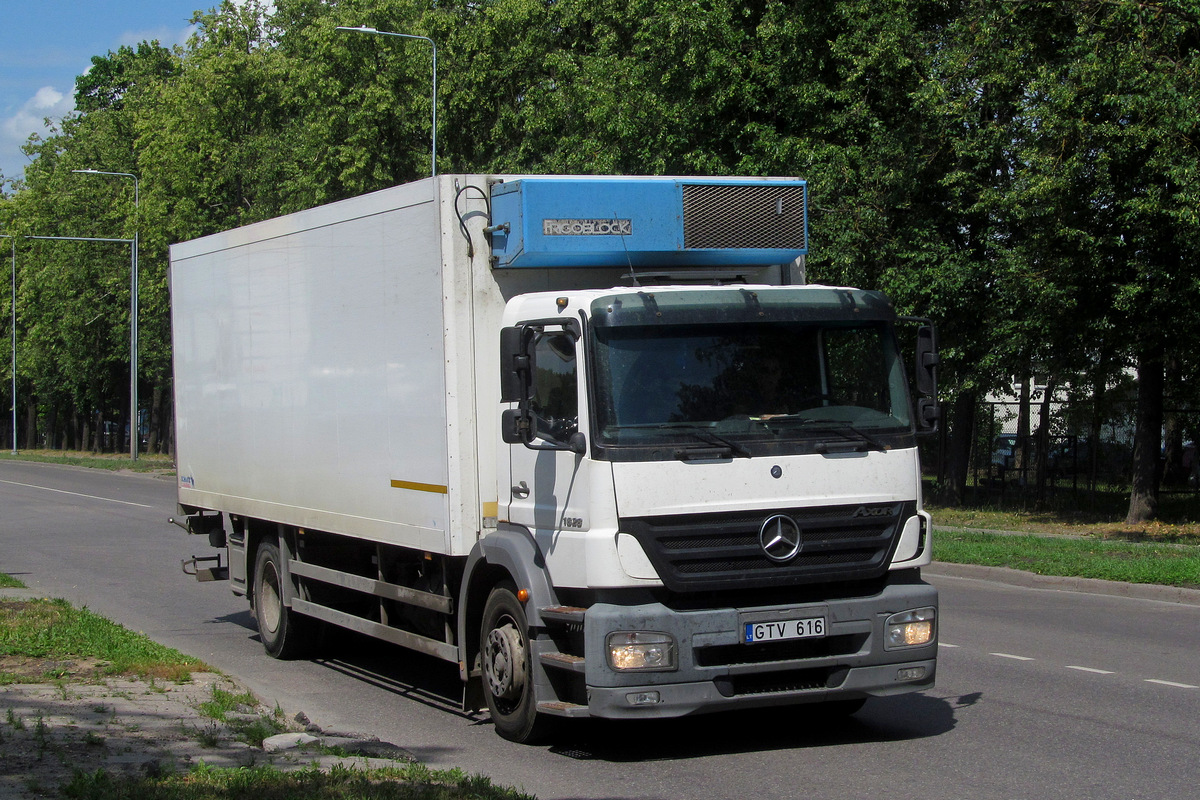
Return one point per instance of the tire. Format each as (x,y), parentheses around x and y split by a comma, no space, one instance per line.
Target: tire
(285,634)
(507,663)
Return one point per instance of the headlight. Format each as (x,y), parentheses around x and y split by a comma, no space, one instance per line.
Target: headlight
(641,651)
(910,628)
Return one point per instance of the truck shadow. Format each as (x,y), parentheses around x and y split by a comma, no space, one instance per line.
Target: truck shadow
(914,716)
(435,684)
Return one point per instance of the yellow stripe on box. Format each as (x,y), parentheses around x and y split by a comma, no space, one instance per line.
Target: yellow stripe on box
(421,487)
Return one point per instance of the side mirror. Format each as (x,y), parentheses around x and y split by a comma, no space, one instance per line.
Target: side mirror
(518,384)
(516,364)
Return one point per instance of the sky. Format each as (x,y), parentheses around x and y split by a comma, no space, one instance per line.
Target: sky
(45,44)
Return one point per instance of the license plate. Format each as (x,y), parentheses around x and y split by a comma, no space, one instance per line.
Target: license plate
(784,629)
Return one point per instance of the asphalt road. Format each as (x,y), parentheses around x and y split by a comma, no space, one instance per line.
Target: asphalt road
(1042,692)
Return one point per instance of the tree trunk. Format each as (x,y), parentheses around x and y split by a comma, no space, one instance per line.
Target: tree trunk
(51,431)
(1147,438)
(1043,438)
(1023,450)
(1173,471)
(168,421)
(156,399)
(958,449)
(31,424)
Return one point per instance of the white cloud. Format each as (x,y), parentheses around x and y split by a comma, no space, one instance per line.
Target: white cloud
(29,119)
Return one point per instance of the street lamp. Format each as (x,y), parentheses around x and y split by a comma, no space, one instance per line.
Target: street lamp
(133,314)
(14,339)
(433,125)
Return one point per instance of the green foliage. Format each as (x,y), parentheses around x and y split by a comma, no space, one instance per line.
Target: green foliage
(1023,172)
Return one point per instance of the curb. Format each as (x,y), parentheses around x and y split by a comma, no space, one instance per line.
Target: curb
(1031,580)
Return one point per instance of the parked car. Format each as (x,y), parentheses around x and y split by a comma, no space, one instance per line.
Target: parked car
(1004,455)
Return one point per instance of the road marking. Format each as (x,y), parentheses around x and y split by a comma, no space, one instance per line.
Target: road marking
(76,494)
(944,644)
(1092,670)
(1172,683)
(1015,658)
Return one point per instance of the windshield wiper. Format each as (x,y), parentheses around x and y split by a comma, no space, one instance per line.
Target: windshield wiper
(864,440)
(723,447)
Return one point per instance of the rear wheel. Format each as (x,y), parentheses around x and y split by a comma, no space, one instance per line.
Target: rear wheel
(285,634)
(507,662)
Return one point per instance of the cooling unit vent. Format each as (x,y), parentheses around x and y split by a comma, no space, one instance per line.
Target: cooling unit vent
(761,216)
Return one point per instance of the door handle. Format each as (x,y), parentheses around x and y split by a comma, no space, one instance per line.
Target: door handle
(521,490)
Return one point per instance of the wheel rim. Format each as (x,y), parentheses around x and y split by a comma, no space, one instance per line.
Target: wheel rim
(269,602)
(504,662)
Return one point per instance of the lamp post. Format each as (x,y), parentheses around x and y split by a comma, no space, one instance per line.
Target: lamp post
(433,124)
(133,315)
(13,240)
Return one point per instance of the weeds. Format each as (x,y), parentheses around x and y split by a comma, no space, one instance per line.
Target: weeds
(240,713)
(41,736)
(209,735)
(224,703)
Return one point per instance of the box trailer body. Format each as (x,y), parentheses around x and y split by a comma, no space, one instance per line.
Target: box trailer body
(525,424)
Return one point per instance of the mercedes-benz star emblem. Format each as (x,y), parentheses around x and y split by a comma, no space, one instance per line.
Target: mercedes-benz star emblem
(780,538)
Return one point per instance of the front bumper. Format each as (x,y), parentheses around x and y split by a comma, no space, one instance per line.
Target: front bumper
(717,671)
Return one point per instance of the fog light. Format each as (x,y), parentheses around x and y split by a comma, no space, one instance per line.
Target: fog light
(641,651)
(910,674)
(643,698)
(910,628)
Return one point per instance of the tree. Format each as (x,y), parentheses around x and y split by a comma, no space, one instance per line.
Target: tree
(1110,148)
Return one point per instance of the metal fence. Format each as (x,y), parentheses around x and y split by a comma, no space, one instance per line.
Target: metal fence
(1066,450)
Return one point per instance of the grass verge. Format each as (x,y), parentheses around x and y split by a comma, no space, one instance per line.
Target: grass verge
(1079,557)
(146,462)
(51,640)
(403,782)
(1086,524)
(9,582)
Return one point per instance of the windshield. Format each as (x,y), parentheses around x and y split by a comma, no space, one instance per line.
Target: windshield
(747,384)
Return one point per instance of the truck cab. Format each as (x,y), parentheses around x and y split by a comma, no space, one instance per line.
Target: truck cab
(719,478)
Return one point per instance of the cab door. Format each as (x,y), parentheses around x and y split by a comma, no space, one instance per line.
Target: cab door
(548,486)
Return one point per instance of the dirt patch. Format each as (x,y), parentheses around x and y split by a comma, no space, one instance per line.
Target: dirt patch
(49,731)
(21,669)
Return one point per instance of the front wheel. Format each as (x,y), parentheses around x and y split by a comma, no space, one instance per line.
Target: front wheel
(284,633)
(507,667)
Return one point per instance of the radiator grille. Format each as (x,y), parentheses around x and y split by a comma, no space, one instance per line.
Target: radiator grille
(706,552)
(756,217)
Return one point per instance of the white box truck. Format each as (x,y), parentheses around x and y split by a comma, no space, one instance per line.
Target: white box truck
(590,439)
